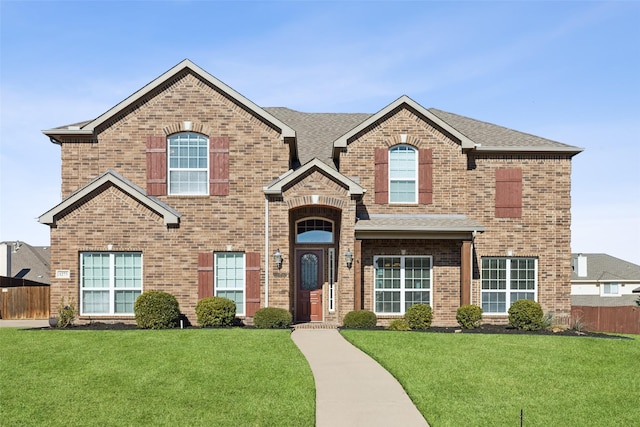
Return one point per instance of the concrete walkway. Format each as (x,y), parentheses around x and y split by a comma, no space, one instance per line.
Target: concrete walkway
(351,388)
(27,323)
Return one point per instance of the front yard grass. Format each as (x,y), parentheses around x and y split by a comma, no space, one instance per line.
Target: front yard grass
(223,377)
(485,380)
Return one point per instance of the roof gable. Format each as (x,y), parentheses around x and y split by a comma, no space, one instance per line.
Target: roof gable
(404,100)
(88,128)
(278,186)
(170,216)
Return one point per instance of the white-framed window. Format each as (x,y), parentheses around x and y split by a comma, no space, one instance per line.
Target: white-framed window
(110,282)
(403,174)
(229,278)
(610,289)
(314,230)
(400,282)
(332,279)
(188,164)
(506,280)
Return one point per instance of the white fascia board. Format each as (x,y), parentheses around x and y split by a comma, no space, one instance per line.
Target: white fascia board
(404,99)
(169,217)
(285,130)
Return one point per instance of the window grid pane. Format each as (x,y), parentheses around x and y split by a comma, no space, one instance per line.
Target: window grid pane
(230,278)
(401,282)
(403,174)
(188,163)
(519,273)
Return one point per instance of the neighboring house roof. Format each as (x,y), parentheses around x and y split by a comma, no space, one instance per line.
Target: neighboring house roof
(385,226)
(87,128)
(29,262)
(598,301)
(170,216)
(606,268)
(316,131)
(278,186)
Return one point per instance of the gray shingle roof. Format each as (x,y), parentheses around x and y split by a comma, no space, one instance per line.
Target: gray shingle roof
(598,301)
(607,268)
(316,132)
(418,224)
(490,135)
(29,262)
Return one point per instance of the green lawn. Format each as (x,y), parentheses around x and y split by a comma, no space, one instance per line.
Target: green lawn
(485,380)
(191,377)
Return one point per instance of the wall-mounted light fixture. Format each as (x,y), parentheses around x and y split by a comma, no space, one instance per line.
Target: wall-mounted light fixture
(348,257)
(277,258)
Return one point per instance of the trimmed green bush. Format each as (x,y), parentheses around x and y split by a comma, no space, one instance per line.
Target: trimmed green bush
(360,319)
(419,316)
(526,315)
(272,318)
(156,310)
(399,325)
(215,311)
(469,316)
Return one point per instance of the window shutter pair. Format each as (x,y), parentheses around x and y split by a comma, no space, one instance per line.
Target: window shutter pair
(157,166)
(509,193)
(425,176)
(252,279)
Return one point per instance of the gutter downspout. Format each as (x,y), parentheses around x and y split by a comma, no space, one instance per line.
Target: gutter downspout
(266,250)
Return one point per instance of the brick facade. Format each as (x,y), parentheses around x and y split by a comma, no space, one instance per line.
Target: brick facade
(249,220)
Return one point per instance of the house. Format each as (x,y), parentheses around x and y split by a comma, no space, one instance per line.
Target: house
(601,280)
(189,187)
(20,260)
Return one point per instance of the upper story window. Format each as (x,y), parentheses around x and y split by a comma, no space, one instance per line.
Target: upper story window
(403,174)
(314,230)
(610,289)
(188,164)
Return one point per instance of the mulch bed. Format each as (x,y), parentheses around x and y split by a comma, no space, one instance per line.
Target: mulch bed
(484,329)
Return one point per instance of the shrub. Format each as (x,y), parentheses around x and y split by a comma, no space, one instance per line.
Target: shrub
(156,310)
(272,318)
(360,319)
(526,315)
(66,313)
(419,316)
(469,316)
(215,311)
(399,325)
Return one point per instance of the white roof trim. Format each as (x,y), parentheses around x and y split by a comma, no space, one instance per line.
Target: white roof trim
(170,216)
(276,187)
(285,130)
(404,99)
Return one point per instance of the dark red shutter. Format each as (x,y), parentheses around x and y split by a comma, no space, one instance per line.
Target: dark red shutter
(508,193)
(205,274)
(156,165)
(382,176)
(425,176)
(252,283)
(219,162)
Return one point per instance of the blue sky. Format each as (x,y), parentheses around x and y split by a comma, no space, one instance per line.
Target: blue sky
(568,71)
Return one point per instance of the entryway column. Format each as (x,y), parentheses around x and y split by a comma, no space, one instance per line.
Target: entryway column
(465,272)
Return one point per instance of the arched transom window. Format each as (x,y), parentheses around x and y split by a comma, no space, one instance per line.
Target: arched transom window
(314,230)
(188,163)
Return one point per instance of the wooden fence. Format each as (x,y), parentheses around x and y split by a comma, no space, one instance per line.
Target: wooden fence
(622,320)
(23,299)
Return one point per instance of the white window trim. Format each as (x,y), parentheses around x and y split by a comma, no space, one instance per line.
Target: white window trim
(112,288)
(417,165)
(402,289)
(240,311)
(169,168)
(610,295)
(332,279)
(508,289)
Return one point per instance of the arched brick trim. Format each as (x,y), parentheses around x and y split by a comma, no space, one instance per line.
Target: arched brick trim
(333,202)
(195,127)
